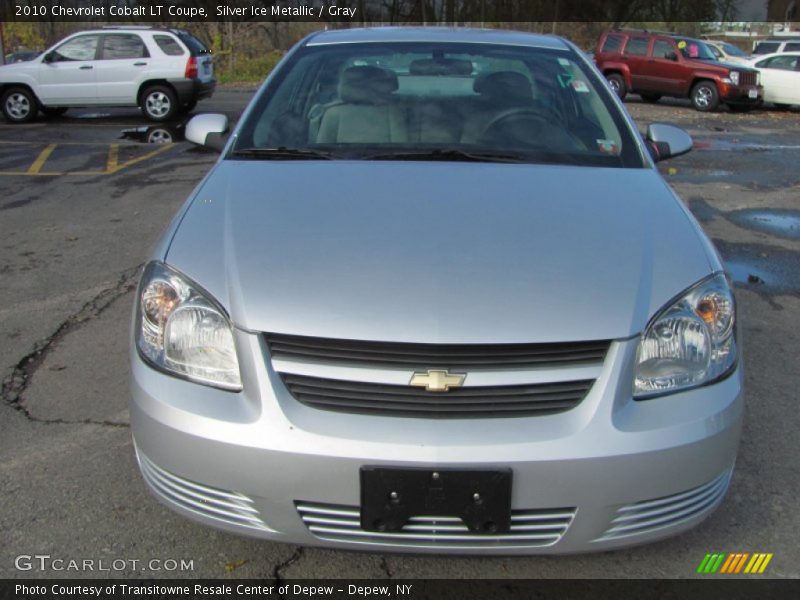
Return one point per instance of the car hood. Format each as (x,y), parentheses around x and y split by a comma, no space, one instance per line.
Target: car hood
(717,65)
(438,252)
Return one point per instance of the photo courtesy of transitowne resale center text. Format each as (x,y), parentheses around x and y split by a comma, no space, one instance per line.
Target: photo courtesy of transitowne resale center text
(360,299)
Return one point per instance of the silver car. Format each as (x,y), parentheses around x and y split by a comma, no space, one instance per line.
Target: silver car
(435,297)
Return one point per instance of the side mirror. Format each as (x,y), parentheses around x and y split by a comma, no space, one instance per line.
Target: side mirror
(671,56)
(209,130)
(667,141)
(49,57)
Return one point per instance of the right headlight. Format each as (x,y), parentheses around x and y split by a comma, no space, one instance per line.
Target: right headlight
(183,331)
(691,342)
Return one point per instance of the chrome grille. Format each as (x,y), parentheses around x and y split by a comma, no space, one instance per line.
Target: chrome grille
(748,78)
(228,507)
(487,356)
(651,515)
(529,528)
(403,400)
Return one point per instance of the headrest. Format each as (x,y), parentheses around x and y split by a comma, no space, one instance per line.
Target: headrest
(503,85)
(366,85)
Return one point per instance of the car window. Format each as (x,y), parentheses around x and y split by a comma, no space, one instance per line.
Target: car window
(360,101)
(196,47)
(663,49)
(169,45)
(715,51)
(83,47)
(695,49)
(791,47)
(613,43)
(636,46)
(732,50)
(123,45)
(766,47)
(784,63)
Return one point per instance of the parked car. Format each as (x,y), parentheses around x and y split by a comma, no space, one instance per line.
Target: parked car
(780,75)
(654,64)
(775,46)
(727,52)
(437,310)
(163,71)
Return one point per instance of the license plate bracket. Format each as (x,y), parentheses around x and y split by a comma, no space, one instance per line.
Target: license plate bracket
(480,497)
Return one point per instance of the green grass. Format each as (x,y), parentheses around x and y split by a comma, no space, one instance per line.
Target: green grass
(246,69)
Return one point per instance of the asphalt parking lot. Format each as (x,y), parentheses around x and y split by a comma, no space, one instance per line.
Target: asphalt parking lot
(80,207)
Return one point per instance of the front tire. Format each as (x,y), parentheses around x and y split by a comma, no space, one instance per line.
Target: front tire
(19,105)
(704,96)
(159,103)
(617,84)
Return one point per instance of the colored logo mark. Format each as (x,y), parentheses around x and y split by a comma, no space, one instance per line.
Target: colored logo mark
(734,563)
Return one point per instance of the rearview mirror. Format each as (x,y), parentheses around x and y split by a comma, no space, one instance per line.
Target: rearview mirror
(667,141)
(209,130)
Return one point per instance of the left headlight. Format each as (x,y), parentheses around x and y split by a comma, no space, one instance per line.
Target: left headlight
(691,342)
(182,330)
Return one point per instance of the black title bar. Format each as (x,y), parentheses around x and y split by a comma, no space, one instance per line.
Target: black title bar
(385,11)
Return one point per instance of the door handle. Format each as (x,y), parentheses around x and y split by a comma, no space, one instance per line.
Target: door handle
(140,64)
(84,67)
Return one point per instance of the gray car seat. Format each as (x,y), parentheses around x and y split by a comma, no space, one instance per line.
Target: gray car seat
(365,114)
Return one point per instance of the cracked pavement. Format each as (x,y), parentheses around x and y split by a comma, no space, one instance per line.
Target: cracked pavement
(69,260)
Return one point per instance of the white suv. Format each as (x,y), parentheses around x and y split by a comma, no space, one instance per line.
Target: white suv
(163,71)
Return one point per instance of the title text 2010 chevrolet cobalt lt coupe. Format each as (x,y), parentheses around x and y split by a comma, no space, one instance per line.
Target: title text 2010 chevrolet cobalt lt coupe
(435,296)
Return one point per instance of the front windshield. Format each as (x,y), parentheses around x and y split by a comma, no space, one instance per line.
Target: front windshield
(732,50)
(436,101)
(695,49)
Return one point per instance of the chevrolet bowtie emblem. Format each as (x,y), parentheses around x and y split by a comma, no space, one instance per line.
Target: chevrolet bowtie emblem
(437,381)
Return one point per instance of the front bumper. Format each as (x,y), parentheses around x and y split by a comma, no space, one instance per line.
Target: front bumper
(609,473)
(745,95)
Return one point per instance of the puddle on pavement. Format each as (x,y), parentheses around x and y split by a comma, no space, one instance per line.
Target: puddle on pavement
(702,210)
(761,268)
(744,272)
(782,223)
(155,134)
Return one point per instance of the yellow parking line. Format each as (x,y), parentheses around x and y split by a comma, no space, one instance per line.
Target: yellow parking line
(138,159)
(112,163)
(41,159)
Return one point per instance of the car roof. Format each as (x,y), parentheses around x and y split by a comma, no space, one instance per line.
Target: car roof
(436,34)
(760,57)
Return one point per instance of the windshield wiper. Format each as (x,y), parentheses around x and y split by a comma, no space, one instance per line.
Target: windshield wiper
(449,154)
(283,153)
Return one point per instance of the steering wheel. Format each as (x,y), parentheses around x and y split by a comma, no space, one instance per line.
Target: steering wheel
(527,126)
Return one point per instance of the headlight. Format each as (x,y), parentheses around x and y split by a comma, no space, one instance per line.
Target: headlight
(182,330)
(689,343)
(734,77)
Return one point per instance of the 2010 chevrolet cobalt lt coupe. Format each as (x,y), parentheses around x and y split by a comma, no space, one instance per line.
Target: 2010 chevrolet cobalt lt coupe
(435,296)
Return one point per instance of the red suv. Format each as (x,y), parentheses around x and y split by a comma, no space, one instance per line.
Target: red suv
(654,64)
